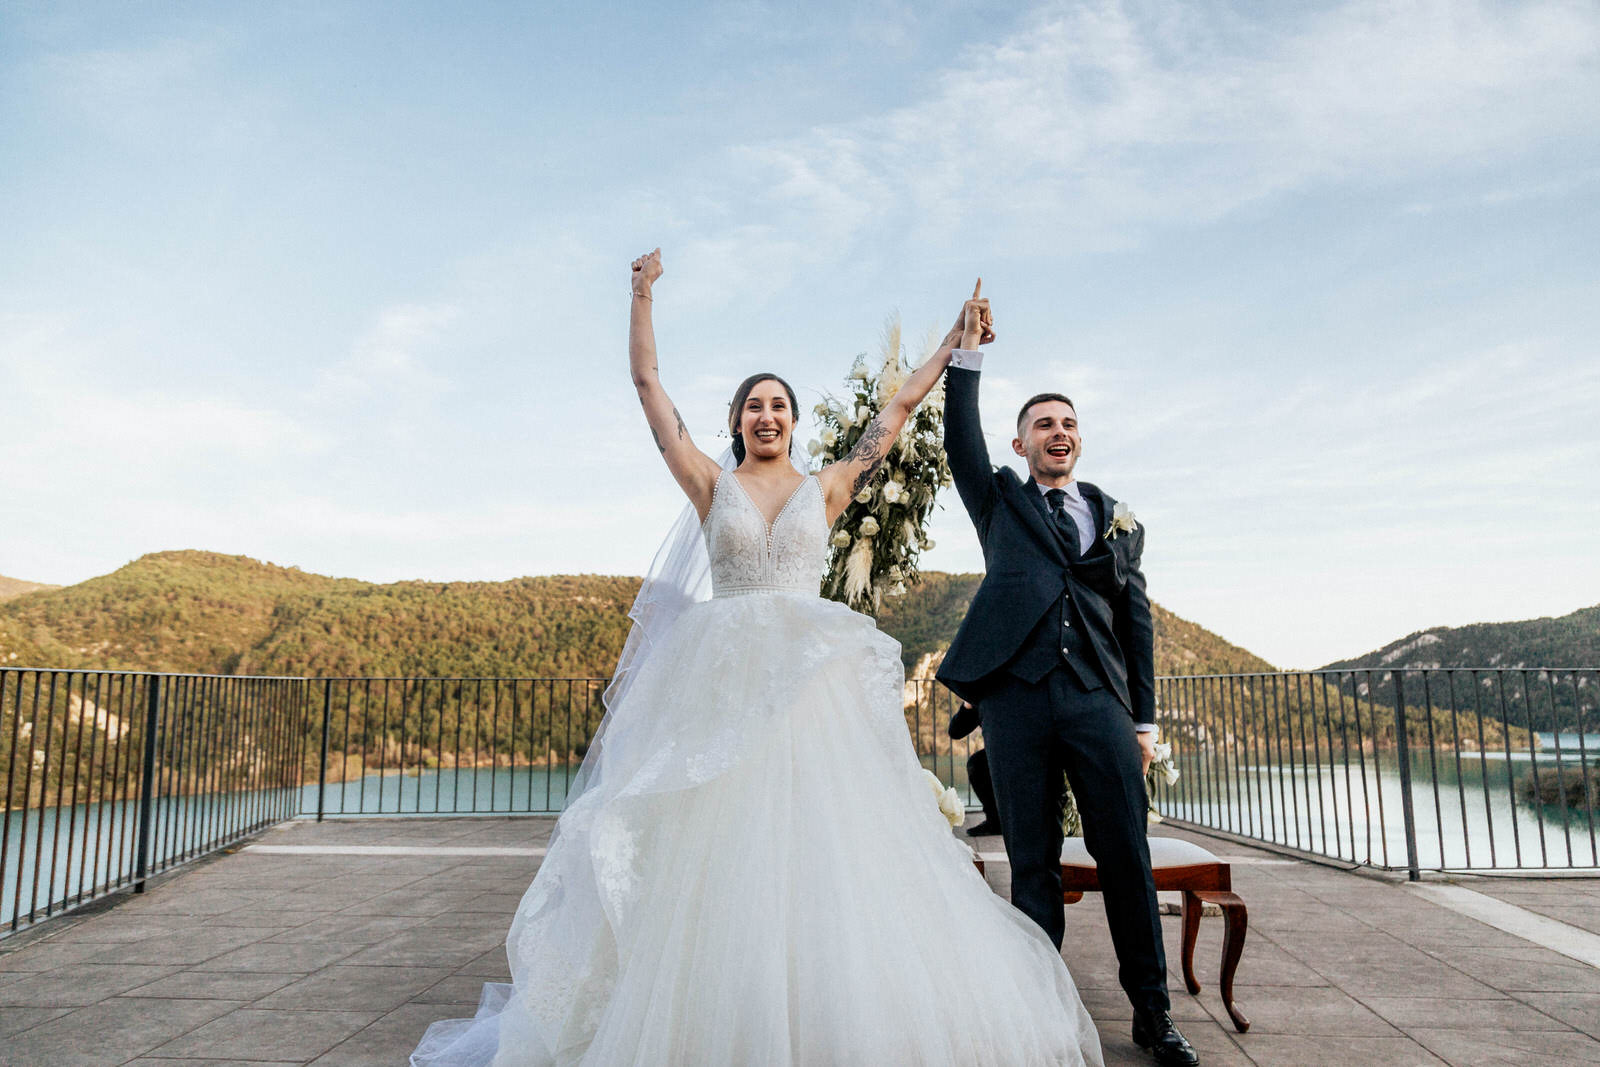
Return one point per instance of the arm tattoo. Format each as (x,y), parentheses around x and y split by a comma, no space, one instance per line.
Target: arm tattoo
(682,429)
(870,449)
(661,447)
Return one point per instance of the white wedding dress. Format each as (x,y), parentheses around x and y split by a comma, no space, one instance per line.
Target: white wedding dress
(761,875)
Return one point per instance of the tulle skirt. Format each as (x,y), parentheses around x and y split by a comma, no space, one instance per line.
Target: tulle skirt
(758,874)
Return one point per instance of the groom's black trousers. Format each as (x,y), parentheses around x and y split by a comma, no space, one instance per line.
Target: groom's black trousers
(1033,733)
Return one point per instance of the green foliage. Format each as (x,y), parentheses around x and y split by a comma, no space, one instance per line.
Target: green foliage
(214,614)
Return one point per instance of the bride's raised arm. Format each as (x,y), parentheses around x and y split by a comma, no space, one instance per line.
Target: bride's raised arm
(695,471)
(843,480)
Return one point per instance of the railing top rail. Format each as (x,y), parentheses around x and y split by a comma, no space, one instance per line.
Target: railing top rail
(1381,669)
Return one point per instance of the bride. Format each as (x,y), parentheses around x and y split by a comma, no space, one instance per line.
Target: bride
(752,870)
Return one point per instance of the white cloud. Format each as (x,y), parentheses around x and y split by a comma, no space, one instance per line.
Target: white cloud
(1097,120)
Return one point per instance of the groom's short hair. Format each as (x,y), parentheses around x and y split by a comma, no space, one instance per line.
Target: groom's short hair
(1041,398)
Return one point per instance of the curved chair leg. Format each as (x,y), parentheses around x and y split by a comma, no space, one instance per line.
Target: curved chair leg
(1191,931)
(1238,919)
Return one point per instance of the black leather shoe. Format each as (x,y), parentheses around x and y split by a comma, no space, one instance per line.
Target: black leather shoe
(1154,1031)
(986,828)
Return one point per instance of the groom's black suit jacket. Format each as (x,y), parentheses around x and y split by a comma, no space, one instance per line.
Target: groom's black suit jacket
(1030,571)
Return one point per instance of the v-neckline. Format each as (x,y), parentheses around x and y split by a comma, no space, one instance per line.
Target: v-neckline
(770,526)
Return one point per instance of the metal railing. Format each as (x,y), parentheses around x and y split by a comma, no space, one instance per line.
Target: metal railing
(1449,769)
(111,777)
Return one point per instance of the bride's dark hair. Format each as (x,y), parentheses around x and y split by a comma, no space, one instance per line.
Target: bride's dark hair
(742,394)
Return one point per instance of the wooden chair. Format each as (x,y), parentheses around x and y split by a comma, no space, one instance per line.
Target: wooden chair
(1182,867)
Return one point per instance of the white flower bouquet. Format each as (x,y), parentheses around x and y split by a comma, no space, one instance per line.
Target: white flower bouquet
(879,538)
(949,801)
(1162,771)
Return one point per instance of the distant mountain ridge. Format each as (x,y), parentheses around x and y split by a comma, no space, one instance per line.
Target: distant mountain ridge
(1565,641)
(10,587)
(211,613)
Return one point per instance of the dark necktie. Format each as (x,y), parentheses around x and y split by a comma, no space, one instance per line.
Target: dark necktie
(1057,499)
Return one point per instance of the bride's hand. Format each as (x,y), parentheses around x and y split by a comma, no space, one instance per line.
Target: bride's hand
(977,321)
(646,269)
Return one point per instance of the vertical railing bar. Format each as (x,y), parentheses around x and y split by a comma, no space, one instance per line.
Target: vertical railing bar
(1589,794)
(1433,765)
(549,749)
(185,764)
(1533,761)
(77,781)
(322,765)
(216,775)
(1561,772)
(1361,759)
(344,743)
(44,791)
(1511,786)
(27,796)
(494,749)
(1483,767)
(147,778)
(121,774)
(1461,782)
(566,751)
(97,797)
(1403,756)
(11,776)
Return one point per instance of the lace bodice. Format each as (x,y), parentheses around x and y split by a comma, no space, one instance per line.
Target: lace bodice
(748,557)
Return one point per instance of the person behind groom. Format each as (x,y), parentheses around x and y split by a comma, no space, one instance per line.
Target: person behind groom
(1057,651)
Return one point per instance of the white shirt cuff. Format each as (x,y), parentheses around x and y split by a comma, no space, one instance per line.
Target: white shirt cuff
(1145,728)
(966,360)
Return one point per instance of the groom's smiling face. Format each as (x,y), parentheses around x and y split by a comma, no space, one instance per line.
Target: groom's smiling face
(1047,437)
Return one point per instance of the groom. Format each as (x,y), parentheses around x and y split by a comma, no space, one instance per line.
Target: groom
(1057,650)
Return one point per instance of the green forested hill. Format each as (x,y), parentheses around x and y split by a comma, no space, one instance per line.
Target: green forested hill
(1568,641)
(212,613)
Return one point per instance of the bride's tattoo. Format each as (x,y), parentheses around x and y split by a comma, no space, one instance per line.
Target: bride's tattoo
(659,445)
(872,446)
(683,430)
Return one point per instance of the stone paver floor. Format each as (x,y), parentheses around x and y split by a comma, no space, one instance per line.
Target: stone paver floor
(263,958)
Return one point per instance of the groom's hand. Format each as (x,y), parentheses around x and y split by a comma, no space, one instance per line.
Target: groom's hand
(1147,751)
(977,321)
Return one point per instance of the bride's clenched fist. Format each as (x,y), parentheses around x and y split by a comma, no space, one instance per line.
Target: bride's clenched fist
(646,269)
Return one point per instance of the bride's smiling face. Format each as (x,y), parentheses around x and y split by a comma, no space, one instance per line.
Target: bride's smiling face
(766,420)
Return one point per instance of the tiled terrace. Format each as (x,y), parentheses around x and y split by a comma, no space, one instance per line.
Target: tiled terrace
(344,956)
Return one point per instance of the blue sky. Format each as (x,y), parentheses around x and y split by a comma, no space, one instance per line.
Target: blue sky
(343,286)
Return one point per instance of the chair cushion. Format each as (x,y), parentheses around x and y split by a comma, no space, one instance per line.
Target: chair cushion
(1164,852)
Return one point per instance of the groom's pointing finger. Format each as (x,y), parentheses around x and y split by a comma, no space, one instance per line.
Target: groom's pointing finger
(976,289)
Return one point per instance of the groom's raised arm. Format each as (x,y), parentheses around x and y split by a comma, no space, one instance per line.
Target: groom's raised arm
(963,437)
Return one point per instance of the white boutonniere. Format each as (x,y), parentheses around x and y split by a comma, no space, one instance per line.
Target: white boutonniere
(1122,521)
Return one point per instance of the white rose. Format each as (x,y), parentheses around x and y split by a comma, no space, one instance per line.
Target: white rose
(869,526)
(951,808)
(1122,521)
(820,410)
(830,437)
(1163,750)
(898,589)
(927,544)
(893,492)
(815,448)
(1172,775)
(841,540)
(862,414)
(864,496)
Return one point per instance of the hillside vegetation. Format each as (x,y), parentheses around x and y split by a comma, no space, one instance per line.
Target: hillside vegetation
(1567,641)
(210,613)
